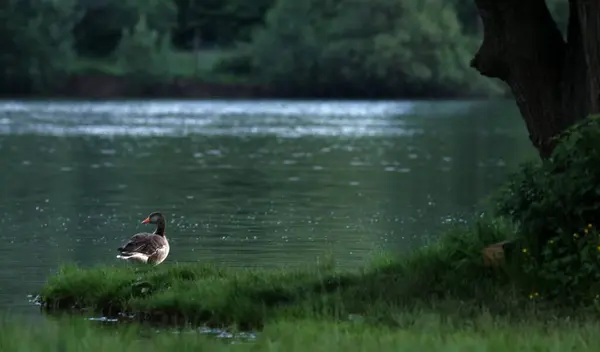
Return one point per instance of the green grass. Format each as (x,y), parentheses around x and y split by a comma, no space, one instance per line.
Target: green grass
(447,277)
(426,333)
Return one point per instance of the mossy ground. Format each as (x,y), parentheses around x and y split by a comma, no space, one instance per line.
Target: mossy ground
(447,278)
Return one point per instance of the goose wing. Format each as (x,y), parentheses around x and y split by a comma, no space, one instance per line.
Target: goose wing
(146,243)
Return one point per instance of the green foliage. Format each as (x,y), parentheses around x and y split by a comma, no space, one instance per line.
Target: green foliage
(101,27)
(218,22)
(427,51)
(144,53)
(405,48)
(567,267)
(338,48)
(556,203)
(38,43)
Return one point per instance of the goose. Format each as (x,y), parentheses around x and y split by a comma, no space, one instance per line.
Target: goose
(147,248)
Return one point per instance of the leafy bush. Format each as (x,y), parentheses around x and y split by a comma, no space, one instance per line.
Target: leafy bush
(556,202)
(37,51)
(567,268)
(217,23)
(405,47)
(144,53)
(238,64)
(100,28)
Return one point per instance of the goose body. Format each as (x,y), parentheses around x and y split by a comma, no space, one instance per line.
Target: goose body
(147,248)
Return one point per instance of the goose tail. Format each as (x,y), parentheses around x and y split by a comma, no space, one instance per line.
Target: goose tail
(133,256)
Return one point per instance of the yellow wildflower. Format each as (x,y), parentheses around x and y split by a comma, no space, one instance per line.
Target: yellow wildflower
(533,295)
(524,250)
(589,226)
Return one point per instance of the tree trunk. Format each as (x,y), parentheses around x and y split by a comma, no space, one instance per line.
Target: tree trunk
(555,82)
(588,12)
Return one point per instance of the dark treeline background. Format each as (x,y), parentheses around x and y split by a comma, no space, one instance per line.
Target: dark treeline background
(355,48)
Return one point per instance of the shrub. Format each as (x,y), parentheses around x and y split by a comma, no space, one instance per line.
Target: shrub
(37,51)
(237,64)
(556,203)
(406,48)
(100,28)
(144,54)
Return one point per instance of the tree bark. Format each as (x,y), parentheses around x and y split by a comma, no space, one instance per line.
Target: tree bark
(588,12)
(547,74)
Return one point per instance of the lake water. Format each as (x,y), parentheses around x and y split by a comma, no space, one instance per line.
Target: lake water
(246,183)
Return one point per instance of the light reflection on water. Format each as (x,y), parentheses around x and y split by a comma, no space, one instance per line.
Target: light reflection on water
(283,119)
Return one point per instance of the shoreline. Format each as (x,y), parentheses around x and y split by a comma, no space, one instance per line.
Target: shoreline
(115,87)
(208,294)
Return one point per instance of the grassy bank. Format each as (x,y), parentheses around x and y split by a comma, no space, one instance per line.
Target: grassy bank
(448,278)
(441,297)
(426,333)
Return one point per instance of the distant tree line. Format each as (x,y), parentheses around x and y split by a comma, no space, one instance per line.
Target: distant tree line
(309,47)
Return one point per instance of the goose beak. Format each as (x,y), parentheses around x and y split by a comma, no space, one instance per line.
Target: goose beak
(146,221)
